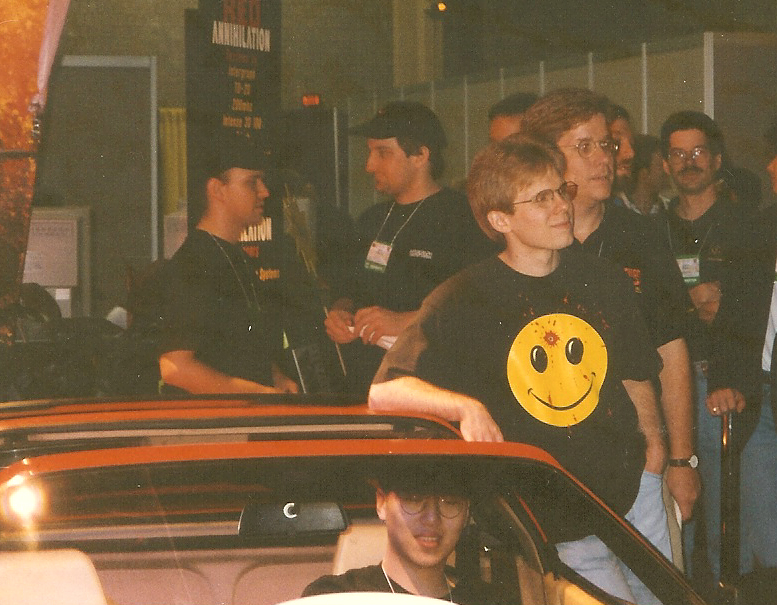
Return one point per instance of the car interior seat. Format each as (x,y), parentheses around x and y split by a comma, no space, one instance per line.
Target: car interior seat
(49,577)
(362,544)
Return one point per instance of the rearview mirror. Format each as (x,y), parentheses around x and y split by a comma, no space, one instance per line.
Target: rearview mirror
(291,518)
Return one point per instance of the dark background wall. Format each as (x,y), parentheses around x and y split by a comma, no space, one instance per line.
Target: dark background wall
(334,47)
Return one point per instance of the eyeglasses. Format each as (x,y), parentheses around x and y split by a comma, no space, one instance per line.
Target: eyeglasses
(678,157)
(450,507)
(544,198)
(586,147)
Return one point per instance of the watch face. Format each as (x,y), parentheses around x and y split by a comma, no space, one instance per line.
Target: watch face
(693,461)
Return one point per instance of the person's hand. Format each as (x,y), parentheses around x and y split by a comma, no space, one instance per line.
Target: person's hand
(706,299)
(476,424)
(723,401)
(284,384)
(372,323)
(338,324)
(281,382)
(684,485)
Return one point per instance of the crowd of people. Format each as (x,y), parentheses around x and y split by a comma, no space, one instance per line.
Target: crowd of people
(605,295)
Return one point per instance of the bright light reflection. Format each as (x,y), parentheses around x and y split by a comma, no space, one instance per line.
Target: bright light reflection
(23,502)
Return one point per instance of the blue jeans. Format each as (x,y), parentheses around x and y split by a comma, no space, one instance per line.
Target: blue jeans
(591,558)
(758,487)
(758,501)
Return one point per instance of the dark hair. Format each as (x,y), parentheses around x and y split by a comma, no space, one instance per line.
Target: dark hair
(645,145)
(562,110)
(500,170)
(513,104)
(432,477)
(414,125)
(692,120)
(412,146)
(614,112)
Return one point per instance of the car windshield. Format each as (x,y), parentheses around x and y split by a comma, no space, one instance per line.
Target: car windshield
(267,518)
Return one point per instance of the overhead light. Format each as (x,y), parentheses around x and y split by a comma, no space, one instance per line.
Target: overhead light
(437,9)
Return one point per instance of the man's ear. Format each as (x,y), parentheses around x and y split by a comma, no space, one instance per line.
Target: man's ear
(499,221)
(380,504)
(422,155)
(718,161)
(213,188)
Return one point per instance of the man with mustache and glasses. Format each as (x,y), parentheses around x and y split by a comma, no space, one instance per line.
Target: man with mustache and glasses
(575,121)
(708,236)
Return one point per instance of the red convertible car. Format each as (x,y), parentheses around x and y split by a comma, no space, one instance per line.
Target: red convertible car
(245,501)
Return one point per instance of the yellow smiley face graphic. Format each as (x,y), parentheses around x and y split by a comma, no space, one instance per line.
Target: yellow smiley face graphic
(556,367)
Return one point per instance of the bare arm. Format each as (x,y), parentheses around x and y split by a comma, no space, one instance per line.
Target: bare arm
(411,394)
(181,369)
(644,398)
(677,406)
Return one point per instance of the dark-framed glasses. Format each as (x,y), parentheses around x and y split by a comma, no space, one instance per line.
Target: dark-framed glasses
(678,157)
(587,147)
(544,198)
(450,507)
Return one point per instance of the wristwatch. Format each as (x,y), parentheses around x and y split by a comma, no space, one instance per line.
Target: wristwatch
(691,462)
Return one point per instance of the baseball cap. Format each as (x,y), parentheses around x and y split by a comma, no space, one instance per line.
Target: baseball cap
(404,119)
(236,151)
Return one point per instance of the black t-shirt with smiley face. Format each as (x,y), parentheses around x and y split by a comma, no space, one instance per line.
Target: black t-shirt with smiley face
(547,357)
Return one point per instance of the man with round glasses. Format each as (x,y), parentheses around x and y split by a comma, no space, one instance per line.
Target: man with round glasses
(425,509)
(575,121)
(708,237)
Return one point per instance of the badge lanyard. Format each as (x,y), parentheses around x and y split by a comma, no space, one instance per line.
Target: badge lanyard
(689,264)
(254,309)
(378,255)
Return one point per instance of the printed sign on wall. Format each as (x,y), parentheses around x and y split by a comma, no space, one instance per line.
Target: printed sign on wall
(233,86)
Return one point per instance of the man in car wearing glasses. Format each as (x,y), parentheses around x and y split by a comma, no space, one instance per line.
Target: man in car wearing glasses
(542,345)
(575,121)
(425,509)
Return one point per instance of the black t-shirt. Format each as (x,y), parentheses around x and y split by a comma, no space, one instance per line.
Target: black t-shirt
(216,307)
(719,239)
(431,240)
(633,242)
(371,579)
(547,356)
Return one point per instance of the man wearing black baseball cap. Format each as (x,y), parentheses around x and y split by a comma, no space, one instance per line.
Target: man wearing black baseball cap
(408,244)
(218,337)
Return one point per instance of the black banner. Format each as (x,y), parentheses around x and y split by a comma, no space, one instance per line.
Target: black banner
(233,81)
